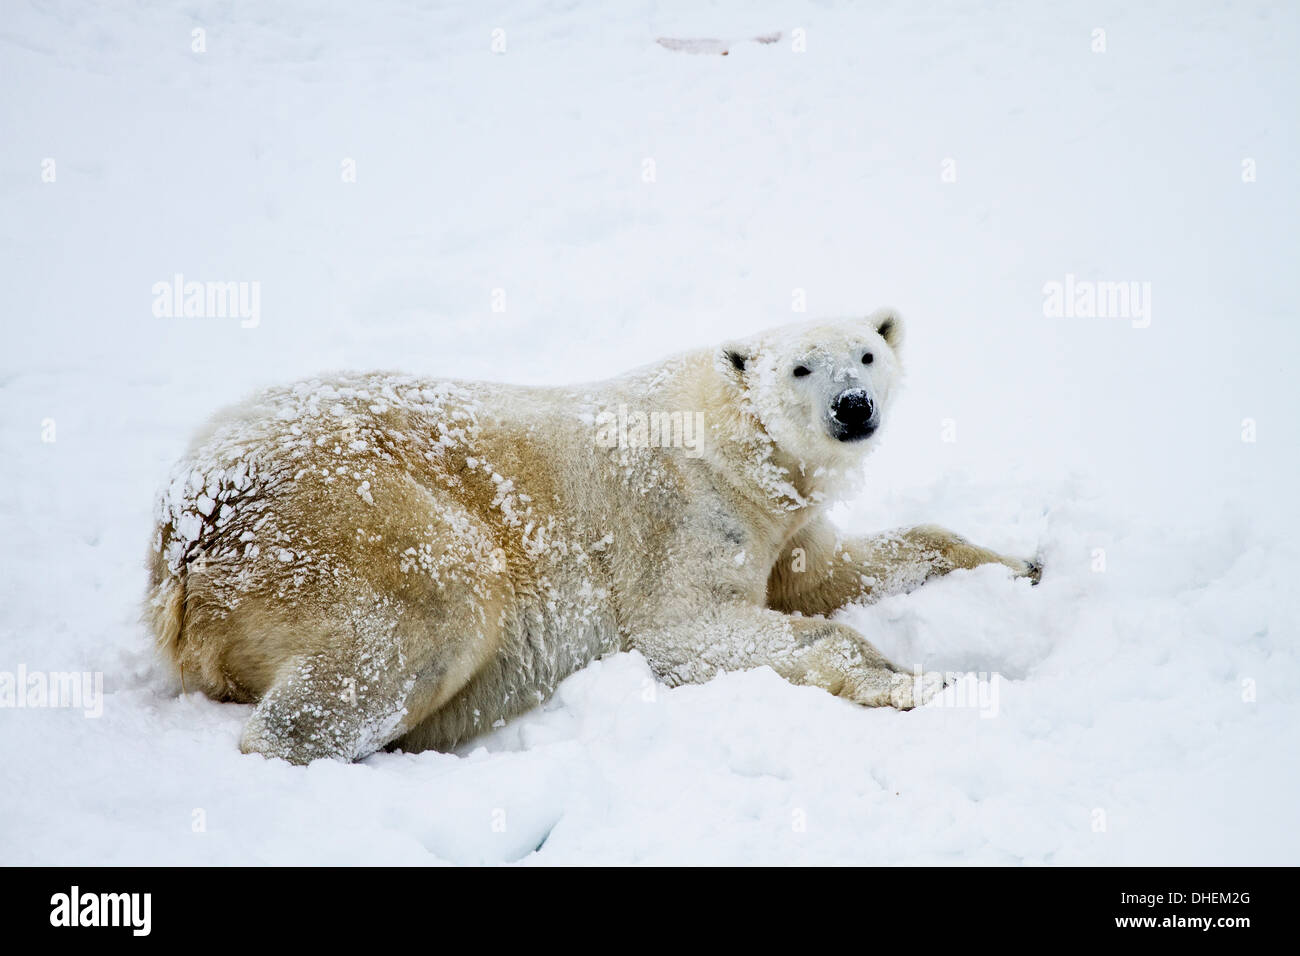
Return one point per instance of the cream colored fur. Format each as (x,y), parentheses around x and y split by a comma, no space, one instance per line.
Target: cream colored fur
(384,560)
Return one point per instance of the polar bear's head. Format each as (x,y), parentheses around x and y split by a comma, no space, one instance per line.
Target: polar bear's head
(820,390)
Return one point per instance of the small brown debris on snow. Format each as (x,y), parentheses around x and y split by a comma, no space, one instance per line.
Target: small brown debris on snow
(710,45)
(696,45)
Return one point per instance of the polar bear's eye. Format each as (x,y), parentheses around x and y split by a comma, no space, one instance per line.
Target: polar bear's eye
(868,358)
(801,370)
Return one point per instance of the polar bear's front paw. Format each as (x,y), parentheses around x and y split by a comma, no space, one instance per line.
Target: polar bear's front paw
(915,690)
(1033,570)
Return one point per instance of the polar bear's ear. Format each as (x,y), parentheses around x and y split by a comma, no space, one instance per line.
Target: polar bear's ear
(889,325)
(734,358)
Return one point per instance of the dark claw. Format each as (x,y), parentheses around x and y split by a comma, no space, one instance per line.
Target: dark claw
(1035,572)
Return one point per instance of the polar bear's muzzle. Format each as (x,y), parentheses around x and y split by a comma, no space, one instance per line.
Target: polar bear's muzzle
(853,415)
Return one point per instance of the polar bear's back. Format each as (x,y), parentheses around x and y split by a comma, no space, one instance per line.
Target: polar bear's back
(303,500)
(379,491)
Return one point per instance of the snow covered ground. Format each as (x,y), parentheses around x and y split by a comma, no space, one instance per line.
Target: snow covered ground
(948,159)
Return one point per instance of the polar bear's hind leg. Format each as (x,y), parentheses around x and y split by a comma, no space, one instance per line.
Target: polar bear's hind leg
(365,686)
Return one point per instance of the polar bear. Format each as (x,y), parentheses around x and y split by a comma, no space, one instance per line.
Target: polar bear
(384,560)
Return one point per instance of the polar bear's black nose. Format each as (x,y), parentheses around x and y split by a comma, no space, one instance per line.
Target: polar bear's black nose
(853,406)
(854,414)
